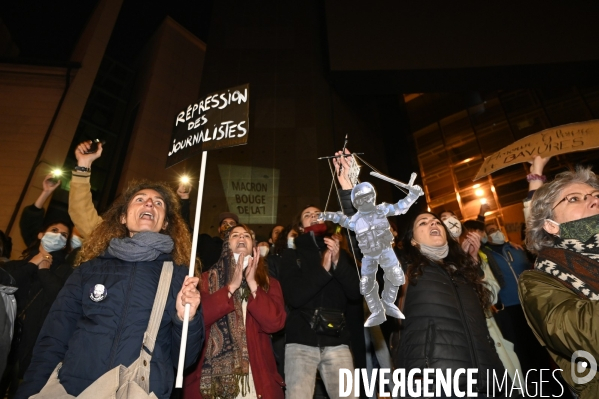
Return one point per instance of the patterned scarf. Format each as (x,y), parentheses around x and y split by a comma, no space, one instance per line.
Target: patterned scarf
(226,363)
(574,262)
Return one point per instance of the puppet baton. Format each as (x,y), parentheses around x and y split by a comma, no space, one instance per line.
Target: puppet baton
(393,181)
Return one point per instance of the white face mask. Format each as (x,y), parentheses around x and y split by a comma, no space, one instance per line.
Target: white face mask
(484,238)
(454,226)
(75,242)
(291,242)
(246,260)
(53,241)
(263,251)
(497,237)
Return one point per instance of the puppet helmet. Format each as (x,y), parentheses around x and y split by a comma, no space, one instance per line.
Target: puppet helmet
(363,191)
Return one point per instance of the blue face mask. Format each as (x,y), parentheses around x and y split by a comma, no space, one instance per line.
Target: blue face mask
(53,242)
(75,242)
(484,238)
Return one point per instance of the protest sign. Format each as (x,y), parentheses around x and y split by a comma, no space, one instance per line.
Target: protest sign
(219,120)
(252,193)
(563,139)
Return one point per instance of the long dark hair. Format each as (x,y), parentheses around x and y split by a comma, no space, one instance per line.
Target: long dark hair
(463,263)
(5,245)
(297,220)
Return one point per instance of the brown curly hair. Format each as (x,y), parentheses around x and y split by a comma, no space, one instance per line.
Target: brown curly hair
(112,227)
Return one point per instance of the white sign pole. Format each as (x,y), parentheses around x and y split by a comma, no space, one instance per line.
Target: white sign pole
(192,262)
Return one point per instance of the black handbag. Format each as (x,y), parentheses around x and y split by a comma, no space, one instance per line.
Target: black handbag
(329,322)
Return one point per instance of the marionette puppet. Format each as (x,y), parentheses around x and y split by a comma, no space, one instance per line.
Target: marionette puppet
(374,237)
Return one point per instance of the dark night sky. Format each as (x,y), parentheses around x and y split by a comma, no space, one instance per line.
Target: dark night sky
(47,31)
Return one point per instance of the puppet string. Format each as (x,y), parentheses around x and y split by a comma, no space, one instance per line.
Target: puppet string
(351,244)
(377,171)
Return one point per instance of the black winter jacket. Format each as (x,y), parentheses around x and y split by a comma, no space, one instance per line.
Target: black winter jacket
(445,328)
(31,222)
(307,285)
(91,338)
(37,290)
(209,250)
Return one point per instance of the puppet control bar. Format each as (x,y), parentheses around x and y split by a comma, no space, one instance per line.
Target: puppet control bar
(396,182)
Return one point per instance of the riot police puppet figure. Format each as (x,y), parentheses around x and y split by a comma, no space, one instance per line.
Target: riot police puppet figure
(374,239)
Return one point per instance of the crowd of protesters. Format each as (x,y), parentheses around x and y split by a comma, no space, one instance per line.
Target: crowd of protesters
(471,298)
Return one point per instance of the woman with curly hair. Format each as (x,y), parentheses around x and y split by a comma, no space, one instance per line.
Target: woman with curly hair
(561,296)
(106,303)
(444,306)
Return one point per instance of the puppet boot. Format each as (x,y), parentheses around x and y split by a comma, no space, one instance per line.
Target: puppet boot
(388,298)
(377,311)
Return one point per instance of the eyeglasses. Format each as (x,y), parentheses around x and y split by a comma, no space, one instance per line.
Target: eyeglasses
(577,198)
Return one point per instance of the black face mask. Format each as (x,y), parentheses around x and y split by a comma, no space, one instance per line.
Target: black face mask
(581,229)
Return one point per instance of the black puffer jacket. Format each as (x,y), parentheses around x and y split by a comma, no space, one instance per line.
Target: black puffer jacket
(445,328)
(307,285)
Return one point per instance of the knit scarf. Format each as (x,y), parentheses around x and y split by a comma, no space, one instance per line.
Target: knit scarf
(226,362)
(142,247)
(574,261)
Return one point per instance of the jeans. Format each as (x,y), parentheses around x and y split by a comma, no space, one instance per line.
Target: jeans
(301,363)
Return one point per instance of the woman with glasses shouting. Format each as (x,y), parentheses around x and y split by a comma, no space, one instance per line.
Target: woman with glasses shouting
(561,296)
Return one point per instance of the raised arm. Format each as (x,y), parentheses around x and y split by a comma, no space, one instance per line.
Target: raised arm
(536,179)
(342,167)
(81,208)
(402,206)
(32,218)
(183,193)
(342,172)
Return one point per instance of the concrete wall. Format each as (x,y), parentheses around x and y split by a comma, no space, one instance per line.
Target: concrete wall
(29,99)
(296,115)
(28,105)
(168,80)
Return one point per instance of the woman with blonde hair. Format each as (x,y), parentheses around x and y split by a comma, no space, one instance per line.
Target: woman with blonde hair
(106,303)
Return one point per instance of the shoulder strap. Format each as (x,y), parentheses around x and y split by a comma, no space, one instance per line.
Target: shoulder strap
(22,312)
(158,307)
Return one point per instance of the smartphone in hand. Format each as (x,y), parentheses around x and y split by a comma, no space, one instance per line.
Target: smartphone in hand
(94,146)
